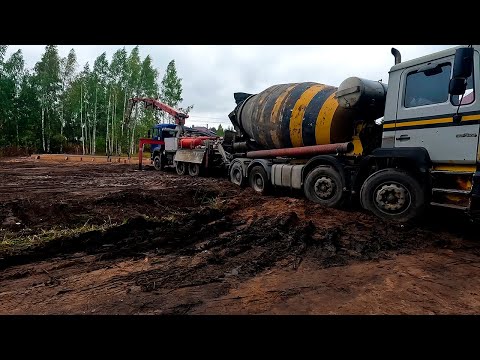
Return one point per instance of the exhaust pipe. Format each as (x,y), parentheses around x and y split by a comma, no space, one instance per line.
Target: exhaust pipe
(398,57)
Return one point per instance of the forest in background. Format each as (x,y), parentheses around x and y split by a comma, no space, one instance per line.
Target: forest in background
(61,106)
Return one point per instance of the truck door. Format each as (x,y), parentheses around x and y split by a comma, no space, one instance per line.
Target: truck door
(425,112)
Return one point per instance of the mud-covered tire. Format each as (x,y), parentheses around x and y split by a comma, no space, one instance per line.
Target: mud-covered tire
(236,174)
(193,169)
(158,164)
(181,168)
(324,186)
(393,194)
(258,180)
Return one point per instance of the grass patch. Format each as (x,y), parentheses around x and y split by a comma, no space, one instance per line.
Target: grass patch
(13,242)
(217,203)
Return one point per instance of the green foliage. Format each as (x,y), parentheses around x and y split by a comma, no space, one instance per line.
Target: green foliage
(57,142)
(3,50)
(220,131)
(12,73)
(55,107)
(171,88)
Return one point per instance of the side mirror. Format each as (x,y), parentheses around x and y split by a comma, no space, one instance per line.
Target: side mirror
(462,69)
(457,86)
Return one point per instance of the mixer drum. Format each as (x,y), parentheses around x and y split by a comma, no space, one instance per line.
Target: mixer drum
(296,114)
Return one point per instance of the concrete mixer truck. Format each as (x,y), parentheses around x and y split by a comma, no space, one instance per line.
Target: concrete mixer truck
(395,149)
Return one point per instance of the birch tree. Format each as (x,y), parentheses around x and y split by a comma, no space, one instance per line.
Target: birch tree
(54,107)
(171,89)
(100,75)
(68,67)
(47,72)
(118,83)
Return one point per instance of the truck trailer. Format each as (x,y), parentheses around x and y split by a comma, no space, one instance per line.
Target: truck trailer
(395,148)
(189,150)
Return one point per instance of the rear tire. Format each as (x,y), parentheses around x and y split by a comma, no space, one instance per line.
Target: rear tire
(258,180)
(324,186)
(193,169)
(181,168)
(236,174)
(393,195)
(158,164)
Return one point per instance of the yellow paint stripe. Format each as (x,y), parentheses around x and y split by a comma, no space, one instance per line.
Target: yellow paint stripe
(471,118)
(448,167)
(275,114)
(429,122)
(324,120)
(298,112)
(425,122)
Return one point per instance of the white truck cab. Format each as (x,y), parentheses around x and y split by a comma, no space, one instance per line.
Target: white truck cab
(424,110)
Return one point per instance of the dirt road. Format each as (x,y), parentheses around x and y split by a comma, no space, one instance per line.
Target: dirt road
(108,239)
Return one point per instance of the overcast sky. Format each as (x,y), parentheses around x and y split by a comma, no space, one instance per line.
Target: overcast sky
(212,73)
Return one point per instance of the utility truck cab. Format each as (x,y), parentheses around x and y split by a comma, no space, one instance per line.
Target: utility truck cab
(432,113)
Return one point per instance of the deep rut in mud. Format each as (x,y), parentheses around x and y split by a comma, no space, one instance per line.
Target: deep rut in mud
(216,245)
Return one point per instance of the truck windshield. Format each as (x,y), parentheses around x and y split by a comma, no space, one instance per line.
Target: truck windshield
(427,87)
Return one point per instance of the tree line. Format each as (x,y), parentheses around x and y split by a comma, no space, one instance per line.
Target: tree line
(57,107)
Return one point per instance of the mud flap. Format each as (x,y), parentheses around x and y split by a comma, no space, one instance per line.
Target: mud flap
(194,156)
(475,204)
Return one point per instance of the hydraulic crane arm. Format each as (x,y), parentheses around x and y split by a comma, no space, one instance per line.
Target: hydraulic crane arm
(155,104)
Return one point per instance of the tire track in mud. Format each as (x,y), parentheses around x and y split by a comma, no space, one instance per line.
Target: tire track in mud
(208,247)
(208,236)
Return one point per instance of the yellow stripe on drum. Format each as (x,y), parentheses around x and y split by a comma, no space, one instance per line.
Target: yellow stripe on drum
(274,118)
(324,120)
(262,101)
(298,112)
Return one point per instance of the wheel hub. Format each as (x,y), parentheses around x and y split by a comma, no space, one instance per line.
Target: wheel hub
(324,187)
(194,169)
(391,197)
(180,168)
(236,175)
(258,182)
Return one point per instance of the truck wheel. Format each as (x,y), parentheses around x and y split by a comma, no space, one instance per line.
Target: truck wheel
(324,186)
(181,168)
(194,169)
(258,180)
(158,164)
(392,195)
(236,174)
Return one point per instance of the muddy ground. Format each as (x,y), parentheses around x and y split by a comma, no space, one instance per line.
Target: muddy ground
(109,239)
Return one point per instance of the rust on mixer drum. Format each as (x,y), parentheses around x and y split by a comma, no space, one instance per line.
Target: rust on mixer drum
(295,114)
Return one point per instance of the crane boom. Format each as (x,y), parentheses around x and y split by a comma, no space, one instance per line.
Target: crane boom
(155,104)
